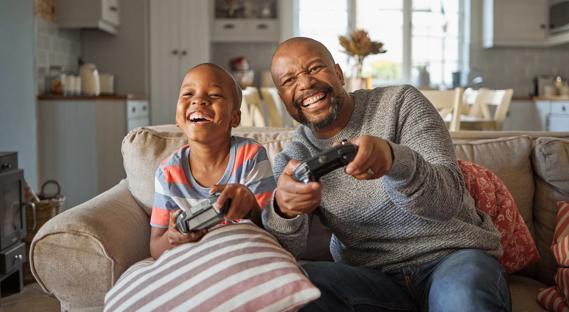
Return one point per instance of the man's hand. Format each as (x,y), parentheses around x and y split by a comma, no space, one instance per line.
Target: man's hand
(176,238)
(293,197)
(243,200)
(373,160)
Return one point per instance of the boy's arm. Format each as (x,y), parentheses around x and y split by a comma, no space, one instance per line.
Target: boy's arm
(163,233)
(162,239)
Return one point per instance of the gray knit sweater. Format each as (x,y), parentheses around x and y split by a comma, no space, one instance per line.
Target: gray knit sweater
(418,212)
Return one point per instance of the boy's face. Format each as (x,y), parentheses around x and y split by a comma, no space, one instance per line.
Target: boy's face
(206,107)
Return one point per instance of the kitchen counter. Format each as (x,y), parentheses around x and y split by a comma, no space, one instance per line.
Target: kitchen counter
(552,98)
(109,97)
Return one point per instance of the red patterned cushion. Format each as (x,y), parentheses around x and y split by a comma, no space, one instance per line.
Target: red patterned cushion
(494,198)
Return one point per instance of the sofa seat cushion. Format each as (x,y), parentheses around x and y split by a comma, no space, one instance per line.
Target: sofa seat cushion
(551,162)
(235,267)
(524,291)
(144,148)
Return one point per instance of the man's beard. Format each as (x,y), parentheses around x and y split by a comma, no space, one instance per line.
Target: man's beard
(335,108)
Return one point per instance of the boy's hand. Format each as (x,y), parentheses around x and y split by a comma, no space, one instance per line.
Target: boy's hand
(293,197)
(242,200)
(176,238)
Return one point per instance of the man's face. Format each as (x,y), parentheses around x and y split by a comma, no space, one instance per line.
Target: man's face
(309,83)
(206,106)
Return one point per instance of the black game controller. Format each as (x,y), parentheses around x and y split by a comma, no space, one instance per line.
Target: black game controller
(202,215)
(314,168)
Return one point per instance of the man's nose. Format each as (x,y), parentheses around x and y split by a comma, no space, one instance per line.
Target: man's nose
(305,81)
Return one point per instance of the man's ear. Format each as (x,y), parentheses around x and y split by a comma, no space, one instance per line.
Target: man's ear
(236,118)
(339,73)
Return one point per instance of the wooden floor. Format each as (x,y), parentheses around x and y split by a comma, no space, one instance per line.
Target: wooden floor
(30,299)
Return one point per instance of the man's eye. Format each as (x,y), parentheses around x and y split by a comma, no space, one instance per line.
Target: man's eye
(315,69)
(288,81)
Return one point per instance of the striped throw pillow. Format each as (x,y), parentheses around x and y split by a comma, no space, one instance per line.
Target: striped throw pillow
(236,267)
(551,300)
(560,245)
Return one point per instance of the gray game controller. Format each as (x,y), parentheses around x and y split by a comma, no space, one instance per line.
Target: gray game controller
(319,165)
(203,215)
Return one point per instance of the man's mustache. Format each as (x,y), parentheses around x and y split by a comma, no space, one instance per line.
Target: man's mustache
(316,88)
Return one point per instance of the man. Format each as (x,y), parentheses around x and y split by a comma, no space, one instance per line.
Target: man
(406,233)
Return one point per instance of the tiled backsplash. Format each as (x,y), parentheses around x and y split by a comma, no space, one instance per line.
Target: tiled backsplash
(517,67)
(54,47)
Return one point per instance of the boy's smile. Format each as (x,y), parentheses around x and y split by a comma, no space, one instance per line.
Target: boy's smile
(207,105)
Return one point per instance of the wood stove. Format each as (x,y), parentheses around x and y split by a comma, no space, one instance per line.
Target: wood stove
(12,224)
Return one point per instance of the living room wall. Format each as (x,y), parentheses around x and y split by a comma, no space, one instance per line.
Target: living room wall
(18,131)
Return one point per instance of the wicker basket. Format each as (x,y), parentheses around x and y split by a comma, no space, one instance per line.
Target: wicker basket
(38,212)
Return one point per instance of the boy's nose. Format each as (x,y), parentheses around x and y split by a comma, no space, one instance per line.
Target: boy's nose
(199,101)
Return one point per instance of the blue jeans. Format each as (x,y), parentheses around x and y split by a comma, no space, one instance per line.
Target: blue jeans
(466,280)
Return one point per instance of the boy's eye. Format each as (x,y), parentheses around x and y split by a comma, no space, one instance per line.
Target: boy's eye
(215,95)
(187,94)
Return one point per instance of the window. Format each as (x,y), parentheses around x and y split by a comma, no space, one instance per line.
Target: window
(418,34)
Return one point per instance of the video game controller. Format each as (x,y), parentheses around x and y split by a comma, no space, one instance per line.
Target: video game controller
(203,215)
(314,168)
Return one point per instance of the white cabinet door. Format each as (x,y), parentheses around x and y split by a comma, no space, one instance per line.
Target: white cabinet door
(543,110)
(246,30)
(80,145)
(515,22)
(558,122)
(179,39)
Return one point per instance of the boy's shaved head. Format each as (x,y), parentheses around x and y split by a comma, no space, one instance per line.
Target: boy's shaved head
(237,93)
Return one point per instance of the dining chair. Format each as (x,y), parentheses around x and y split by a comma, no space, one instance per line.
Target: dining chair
(271,94)
(252,109)
(273,114)
(486,109)
(447,102)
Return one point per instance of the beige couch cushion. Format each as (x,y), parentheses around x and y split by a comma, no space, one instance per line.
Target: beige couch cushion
(551,165)
(510,159)
(144,148)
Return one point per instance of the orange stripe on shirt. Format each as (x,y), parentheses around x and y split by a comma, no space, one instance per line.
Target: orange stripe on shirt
(160,216)
(244,153)
(175,174)
(263,198)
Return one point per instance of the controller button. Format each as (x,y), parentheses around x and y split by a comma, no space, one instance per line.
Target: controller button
(322,159)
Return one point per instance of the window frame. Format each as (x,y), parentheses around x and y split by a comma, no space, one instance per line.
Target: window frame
(407,61)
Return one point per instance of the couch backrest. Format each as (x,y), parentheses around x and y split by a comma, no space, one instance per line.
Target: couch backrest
(535,170)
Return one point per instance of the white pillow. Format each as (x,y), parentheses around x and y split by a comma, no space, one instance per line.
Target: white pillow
(237,267)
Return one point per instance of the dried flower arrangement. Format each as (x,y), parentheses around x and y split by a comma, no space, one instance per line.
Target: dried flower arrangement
(359,45)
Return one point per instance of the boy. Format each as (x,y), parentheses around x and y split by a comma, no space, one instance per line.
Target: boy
(213,161)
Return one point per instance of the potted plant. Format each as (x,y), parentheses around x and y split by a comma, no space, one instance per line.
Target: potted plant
(358,45)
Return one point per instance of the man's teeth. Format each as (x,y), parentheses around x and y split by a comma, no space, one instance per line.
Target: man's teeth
(313,99)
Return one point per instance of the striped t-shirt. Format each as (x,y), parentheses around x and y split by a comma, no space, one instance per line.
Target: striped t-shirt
(176,187)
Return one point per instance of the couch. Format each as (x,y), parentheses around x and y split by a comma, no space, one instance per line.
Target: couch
(80,253)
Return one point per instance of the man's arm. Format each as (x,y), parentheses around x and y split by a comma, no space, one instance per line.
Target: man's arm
(424,178)
(291,227)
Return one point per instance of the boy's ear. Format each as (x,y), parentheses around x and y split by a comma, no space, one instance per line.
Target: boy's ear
(236,118)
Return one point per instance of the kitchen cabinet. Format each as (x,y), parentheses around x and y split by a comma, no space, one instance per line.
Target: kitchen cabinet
(99,14)
(245,30)
(252,21)
(179,40)
(515,23)
(80,142)
(553,114)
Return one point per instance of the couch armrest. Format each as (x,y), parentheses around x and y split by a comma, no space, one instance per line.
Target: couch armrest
(79,254)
